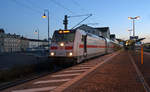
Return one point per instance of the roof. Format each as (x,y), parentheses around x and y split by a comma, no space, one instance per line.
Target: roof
(102,28)
(105,31)
(23,38)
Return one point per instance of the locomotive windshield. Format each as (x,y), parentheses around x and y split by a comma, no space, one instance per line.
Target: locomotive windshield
(65,36)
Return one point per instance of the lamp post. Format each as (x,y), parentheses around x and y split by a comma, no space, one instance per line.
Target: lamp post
(134,18)
(37,31)
(44,16)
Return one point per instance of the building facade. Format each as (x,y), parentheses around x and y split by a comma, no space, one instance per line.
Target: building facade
(11,43)
(16,43)
(2,40)
(24,44)
(33,43)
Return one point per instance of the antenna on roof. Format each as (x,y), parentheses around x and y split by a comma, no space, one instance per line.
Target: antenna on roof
(65,21)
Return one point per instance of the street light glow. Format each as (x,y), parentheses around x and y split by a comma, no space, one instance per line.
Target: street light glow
(44,16)
(129,17)
(137,17)
(36,32)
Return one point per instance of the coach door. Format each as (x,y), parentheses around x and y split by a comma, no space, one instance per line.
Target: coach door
(85,45)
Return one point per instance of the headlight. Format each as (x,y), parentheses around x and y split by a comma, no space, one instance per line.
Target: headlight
(70,54)
(52,53)
(62,44)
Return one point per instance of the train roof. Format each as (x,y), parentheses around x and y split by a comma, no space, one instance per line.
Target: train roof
(104,31)
(98,31)
(89,29)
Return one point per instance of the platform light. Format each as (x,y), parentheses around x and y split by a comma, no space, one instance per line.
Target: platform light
(129,17)
(127,44)
(133,19)
(137,17)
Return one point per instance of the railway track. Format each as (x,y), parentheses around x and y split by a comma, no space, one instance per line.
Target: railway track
(29,78)
(58,78)
(20,81)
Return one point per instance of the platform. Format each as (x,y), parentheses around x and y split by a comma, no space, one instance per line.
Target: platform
(117,75)
(121,71)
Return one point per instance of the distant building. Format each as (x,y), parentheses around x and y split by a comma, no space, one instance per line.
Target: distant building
(2,32)
(16,43)
(33,43)
(12,43)
(24,44)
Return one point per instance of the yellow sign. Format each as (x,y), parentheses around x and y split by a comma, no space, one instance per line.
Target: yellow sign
(65,31)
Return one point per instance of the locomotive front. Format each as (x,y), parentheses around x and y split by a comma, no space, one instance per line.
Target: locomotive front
(62,45)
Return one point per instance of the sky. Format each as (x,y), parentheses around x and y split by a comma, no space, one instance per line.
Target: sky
(23,17)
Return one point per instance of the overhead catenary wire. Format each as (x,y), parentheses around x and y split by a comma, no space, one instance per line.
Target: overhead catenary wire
(26,6)
(78,5)
(39,10)
(80,15)
(82,21)
(59,4)
(90,24)
(34,4)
